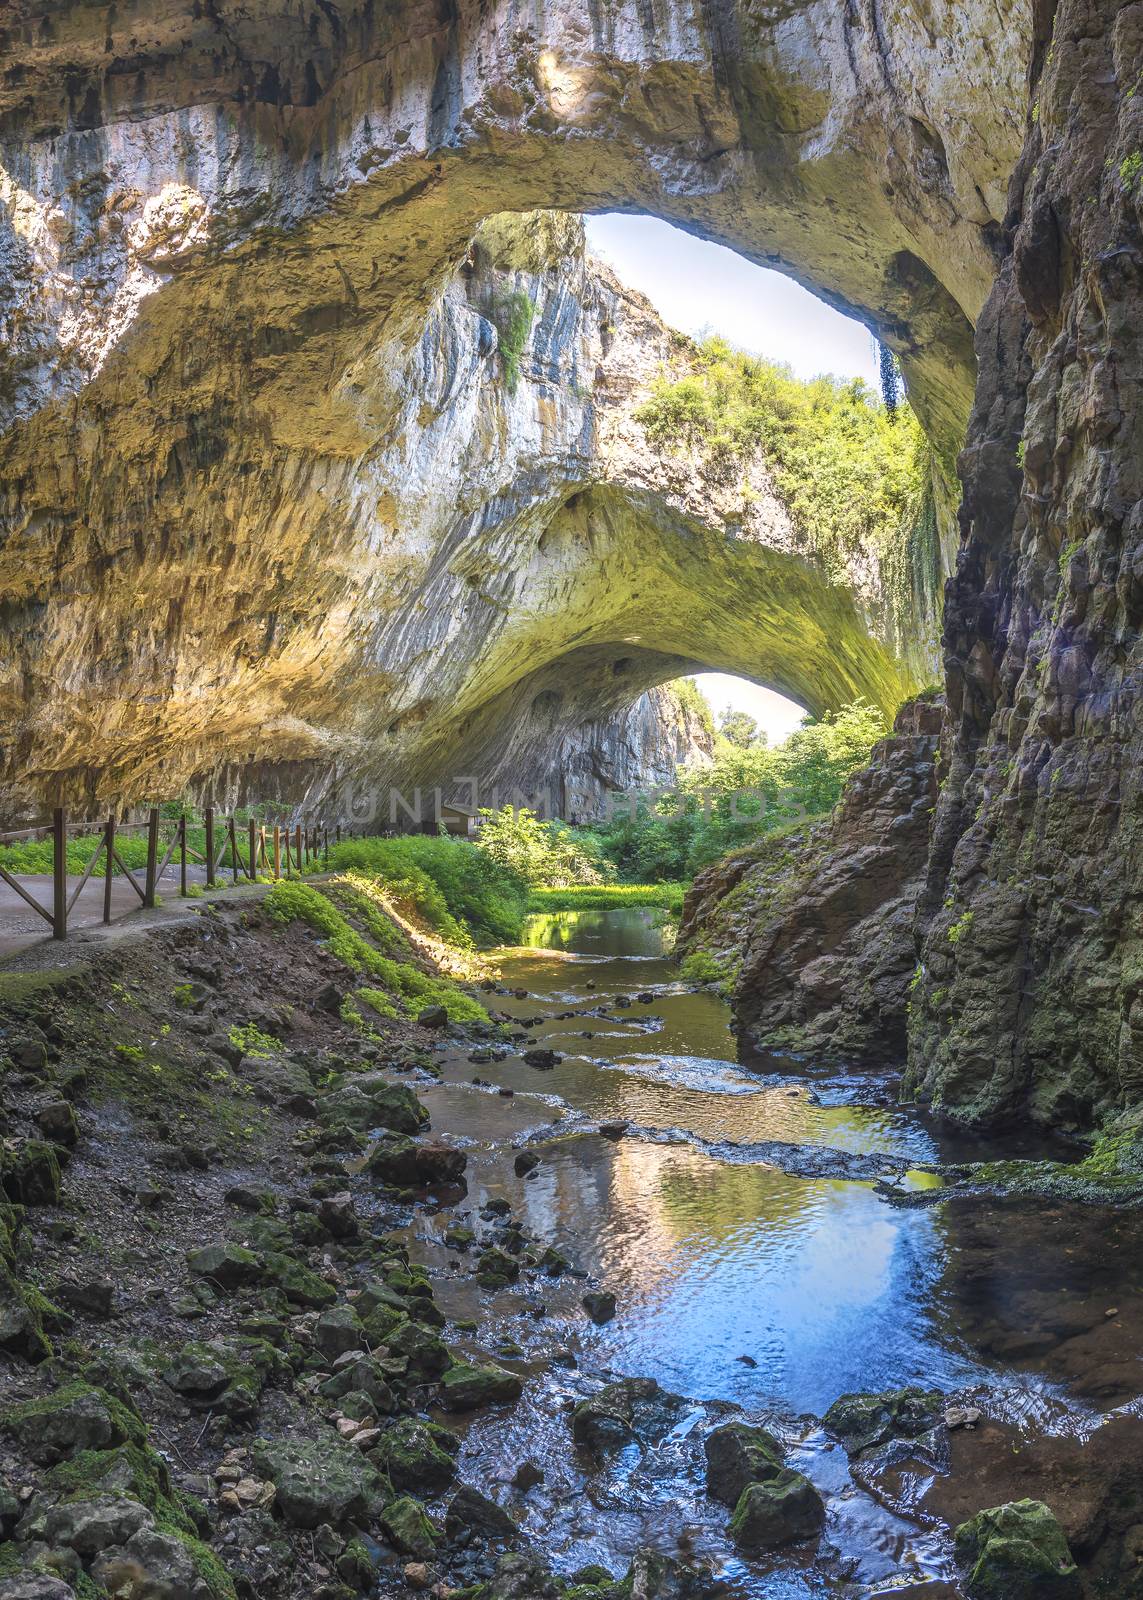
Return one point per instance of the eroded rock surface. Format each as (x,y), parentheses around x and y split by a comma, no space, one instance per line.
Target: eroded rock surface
(815,929)
(268,502)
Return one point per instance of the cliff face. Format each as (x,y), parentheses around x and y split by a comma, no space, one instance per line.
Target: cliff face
(1027,999)
(815,928)
(268,506)
(1031,993)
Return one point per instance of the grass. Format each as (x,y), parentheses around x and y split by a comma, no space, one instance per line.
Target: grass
(412,989)
(608,896)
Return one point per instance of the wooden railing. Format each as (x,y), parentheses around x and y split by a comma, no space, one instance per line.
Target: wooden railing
(271,850)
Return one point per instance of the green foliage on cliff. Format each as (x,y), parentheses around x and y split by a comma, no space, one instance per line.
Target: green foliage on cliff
(512,315)
(463,893)
(747,792)
(854,475)
(692,700)
(413,989)
(609,897)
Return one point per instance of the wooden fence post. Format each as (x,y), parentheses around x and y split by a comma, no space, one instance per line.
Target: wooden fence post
(298,847)
(209,815)
(109,852)
(59,874)
(152,855)
(232,835)
(252,855)
(183,855)
(277,852)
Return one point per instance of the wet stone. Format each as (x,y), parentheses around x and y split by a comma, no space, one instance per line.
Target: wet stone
(1016,1552)
(786,1509)
(738,1454)
(599,1305)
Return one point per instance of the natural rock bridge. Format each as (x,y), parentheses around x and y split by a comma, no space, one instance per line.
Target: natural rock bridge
(261,516)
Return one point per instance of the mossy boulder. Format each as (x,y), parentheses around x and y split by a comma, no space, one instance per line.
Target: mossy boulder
(74,1417)
(21,1326)
(466,1388)
(495,1268)
(427,1355)
(1016,1551)
(861,1421)
(371,1101)
(738,1454)
(30,1174)
(300,1286)
(226,1375)
(619,1412)
(393,1161)
(413,1456)
(319,1480)
(406,1525)
(360,1376)
(786,1509)
(337,1331)
(226,1265)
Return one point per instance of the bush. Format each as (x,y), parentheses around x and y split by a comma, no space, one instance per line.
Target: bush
(609,897)
(541,853)
(460,892)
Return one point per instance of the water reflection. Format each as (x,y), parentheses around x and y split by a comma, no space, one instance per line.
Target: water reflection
(738,1282)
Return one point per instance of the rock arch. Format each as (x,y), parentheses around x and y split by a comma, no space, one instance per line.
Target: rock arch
(238,353)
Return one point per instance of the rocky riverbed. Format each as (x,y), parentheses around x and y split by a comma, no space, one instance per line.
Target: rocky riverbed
(300,1298)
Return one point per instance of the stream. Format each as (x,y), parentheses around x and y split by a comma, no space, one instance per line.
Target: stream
(740,1217)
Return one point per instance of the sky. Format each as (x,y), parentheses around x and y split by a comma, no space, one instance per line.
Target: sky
(704,288)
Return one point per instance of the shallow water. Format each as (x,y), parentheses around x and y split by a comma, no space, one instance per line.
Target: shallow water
(754,1262)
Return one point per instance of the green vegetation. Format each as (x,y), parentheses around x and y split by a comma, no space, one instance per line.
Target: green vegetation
(1130,169)
(700,967)
(460,892)
(608,897)
(692,700)
(750,790)
(250,1039)
(411,988)
(512,315)
(547,853)
(854,473)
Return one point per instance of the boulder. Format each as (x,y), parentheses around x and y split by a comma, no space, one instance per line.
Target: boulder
(861,1421)
(738,1454)
(784,1510)
(1016,1552)
(426,1353)
(35,1586)
(318,1480)
(599,1305)
(371,1101)
(229,1266)
(433,1017)
(410,1453)
(466,1388)
(76,1417)
(57,1122)
(472,1513)
(337,1330)
(89,1526)
(439,1162)
(31,1173)
(338,1217)
(619,1412)
(406,1525)
(655,1576)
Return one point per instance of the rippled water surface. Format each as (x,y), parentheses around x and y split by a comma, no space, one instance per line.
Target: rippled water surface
(740,1224)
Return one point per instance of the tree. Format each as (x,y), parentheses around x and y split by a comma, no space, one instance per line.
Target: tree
(739,727)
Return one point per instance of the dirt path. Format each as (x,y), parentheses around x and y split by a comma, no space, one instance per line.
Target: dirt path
(25,938)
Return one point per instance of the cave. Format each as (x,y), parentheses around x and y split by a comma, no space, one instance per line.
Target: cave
(669,1201)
